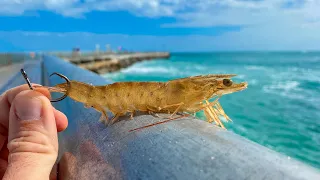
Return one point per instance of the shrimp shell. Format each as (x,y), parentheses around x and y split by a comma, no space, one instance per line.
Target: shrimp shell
(184,95)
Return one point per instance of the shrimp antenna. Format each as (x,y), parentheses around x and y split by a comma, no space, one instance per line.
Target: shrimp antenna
(25,76)
(68,83)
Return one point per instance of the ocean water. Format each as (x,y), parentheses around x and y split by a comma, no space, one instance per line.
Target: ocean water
(279,110)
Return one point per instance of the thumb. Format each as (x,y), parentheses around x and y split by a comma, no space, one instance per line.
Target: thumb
(32,141)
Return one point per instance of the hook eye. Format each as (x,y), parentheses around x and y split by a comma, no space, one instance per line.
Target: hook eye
(68,83)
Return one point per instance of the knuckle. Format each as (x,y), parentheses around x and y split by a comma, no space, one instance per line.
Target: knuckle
(31,141)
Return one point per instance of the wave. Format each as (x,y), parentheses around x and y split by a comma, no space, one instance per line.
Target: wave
(167,70)
(255,67)
(146,70)
(296,73)
(286,86)
(289,89)
(314,59)
(253,82)
(195,67)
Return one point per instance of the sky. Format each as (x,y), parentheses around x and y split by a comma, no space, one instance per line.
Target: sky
(160,25)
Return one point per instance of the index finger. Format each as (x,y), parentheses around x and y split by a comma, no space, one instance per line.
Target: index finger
(7,97)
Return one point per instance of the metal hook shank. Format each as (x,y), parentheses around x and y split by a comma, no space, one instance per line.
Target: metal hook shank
(25,76)
(68,83)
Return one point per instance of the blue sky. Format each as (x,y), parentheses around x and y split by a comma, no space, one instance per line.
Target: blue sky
(173,25)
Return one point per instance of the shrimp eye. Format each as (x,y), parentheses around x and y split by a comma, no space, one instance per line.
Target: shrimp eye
(227,82)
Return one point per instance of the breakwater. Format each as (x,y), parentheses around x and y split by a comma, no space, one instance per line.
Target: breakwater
(101,63)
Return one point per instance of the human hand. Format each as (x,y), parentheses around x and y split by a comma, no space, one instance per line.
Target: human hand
(28,133)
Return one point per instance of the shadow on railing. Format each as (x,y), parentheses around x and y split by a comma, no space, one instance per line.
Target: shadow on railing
(187,148)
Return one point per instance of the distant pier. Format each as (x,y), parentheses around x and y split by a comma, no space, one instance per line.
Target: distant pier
(105,62)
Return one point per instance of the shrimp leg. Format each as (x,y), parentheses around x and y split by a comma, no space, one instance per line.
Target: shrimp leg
(154,114)
(209,118)
(150,108)
(178,104)
(151,111)
(131,115)
(209,103)
(115,118)
(214,116)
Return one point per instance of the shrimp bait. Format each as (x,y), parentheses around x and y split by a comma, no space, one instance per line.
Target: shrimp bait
(179,96)
(185,95)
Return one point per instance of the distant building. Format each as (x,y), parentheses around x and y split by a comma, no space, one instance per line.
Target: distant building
(76,51)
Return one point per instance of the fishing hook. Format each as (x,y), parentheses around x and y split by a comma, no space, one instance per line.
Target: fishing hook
(67,92)
(25,76)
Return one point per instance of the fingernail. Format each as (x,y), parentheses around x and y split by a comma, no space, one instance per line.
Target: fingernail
(28,108)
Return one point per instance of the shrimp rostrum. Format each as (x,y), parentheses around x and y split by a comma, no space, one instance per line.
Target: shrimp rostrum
(186,95)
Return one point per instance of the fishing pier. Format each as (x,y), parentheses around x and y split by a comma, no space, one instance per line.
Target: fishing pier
(106,62)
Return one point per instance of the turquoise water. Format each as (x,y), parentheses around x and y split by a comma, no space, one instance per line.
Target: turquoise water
(281,107)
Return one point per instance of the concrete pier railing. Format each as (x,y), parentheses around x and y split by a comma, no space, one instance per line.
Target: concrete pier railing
(187,148)
(7,59)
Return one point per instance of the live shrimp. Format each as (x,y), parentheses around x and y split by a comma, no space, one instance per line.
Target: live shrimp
(185,96)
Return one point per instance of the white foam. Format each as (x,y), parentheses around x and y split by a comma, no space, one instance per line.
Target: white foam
(286,86)
(297,73)
(286,94)
(288,89)
(197,67)
(252,82)
(255,67)
(146,70)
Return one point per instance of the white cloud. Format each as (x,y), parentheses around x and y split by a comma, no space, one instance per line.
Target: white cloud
(77,8)
(187,12)
(236,12)
(266,24)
